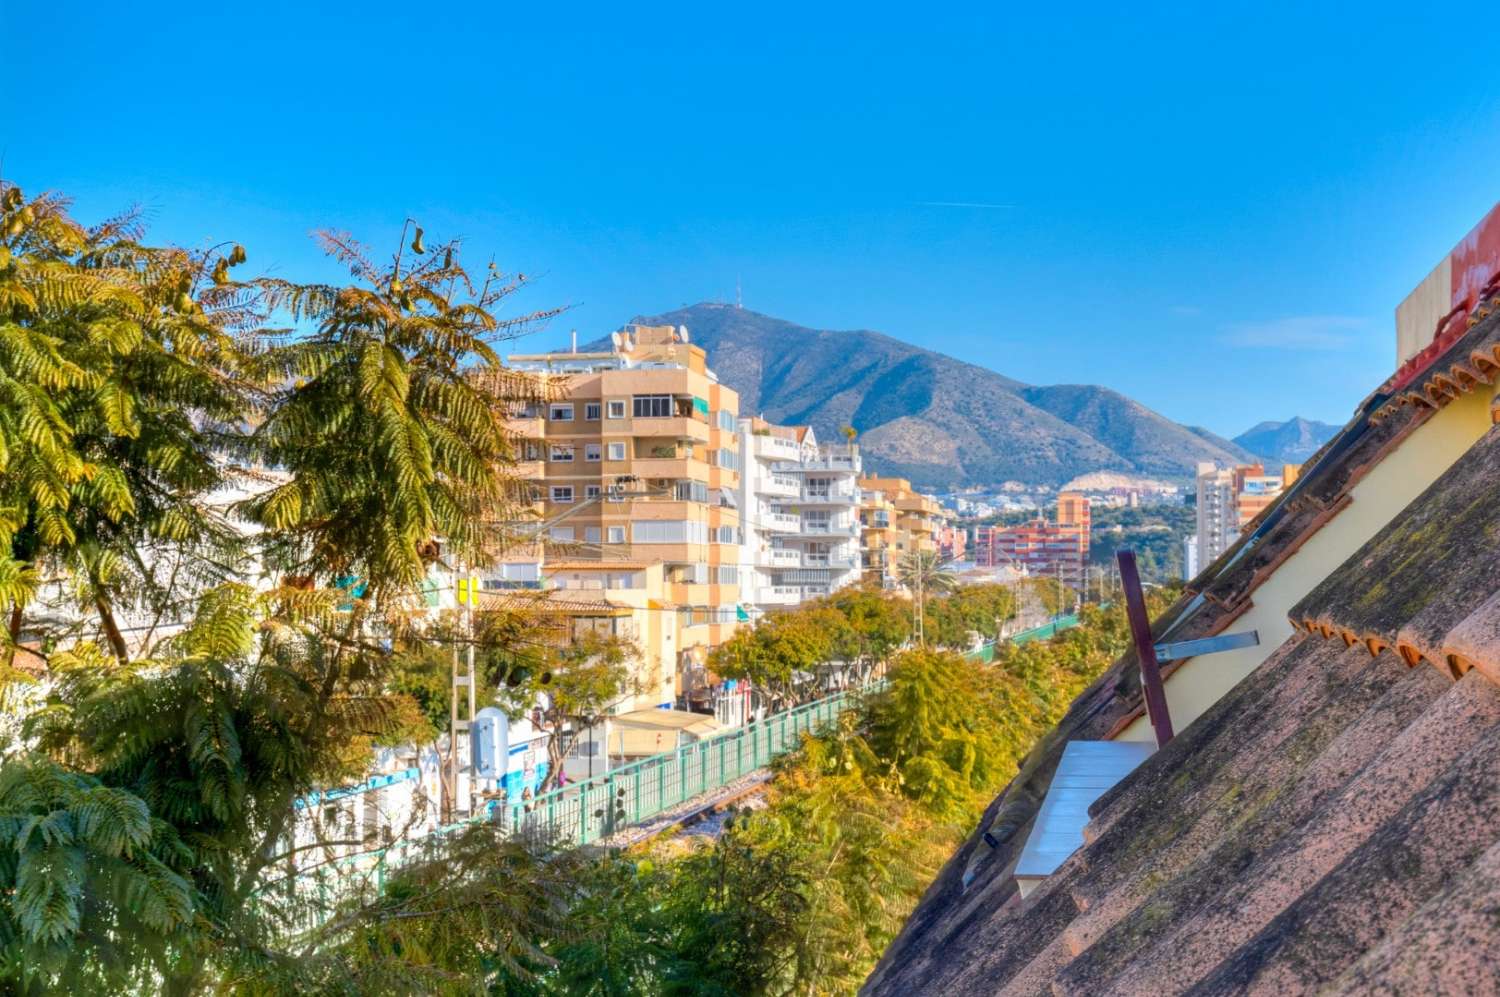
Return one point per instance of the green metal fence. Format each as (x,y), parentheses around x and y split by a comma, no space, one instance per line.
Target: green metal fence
(634,793)
(1051,628)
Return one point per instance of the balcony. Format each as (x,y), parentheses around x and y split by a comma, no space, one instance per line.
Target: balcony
(783,557)
(781,522)
(678,468)
(776,447)
(846,463)
(832,561)
(780,595)
(779,486)
(811,529)
(675,427)
(840,495)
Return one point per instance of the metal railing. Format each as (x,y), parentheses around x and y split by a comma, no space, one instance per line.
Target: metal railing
(587,812)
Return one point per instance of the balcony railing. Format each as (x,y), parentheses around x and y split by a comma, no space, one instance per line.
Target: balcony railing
(784,558)
(782,522)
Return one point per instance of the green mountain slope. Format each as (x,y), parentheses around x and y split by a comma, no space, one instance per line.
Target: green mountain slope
(930,417)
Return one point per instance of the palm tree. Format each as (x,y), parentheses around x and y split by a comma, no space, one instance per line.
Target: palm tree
(922,572)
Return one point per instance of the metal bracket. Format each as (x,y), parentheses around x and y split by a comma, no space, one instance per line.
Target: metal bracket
(1206,645)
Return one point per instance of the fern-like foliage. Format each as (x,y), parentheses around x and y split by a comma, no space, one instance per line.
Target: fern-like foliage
(390,419)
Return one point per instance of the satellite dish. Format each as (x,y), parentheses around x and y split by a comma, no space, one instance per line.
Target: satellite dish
(682,333)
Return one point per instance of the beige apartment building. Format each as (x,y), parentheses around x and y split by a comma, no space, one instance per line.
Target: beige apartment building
(637,464)
(896,520)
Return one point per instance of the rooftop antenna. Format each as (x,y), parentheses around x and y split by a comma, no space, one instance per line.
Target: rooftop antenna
(739,299)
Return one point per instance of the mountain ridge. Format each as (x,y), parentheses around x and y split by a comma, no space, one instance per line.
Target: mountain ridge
(938,420)
(1289,442)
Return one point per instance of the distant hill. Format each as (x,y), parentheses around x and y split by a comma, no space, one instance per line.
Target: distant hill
(939,421)
(1289,442)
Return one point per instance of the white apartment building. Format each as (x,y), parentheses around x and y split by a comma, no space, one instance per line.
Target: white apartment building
(799,503)
(1218,517)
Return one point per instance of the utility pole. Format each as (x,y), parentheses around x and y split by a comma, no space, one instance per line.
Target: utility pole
(467,595)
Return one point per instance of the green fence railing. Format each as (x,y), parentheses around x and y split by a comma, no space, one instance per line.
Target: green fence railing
(587,812)
(1053,627)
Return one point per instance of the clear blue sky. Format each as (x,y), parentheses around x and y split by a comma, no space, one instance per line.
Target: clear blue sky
(1213,208)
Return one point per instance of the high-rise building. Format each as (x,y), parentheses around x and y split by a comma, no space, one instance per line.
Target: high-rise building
(1074,512)
(1218,521)
(636,460)
(799,503)
(1228,499)
(1045,550)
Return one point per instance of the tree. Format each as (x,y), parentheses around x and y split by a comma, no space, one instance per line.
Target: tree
(566,686)
(923,572)
(146,824)
(122,381)
(781,656)
(390,419)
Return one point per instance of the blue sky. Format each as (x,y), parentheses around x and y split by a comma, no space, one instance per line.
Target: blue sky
(1212,208)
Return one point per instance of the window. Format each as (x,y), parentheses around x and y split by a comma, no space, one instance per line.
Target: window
(591,534)
(691,491)
(726,535)
(727,458)
(562,452)
(653,406)
(533,450)
(561,413)
(727,574)
(562,493)
(592,451)
(617,450)
(818,487)
(726,419)
(617,410)
(591,491)
(563,533)
(591,411)
(669,531)
(616,534)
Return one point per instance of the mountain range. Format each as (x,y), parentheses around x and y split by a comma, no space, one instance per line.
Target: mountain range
(1289,442)
(937,420)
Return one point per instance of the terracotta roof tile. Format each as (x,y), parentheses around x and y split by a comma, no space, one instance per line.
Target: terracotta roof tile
(1475,643)
(1331,821)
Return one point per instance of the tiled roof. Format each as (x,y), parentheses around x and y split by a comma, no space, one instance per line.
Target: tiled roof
(1330,824)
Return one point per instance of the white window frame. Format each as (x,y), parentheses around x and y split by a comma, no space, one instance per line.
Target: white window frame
(556,410)
(593,451)
(558,492)
(591,411)
(616,451)
(591,491)
(561,453)
(562,534)
(615,535)
(616,408)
